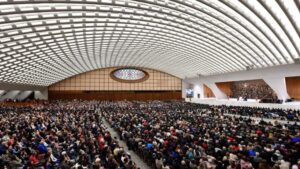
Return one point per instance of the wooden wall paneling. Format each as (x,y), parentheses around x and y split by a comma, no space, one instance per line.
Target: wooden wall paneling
(100,80)
(293,87)
(225,87)
(115,95)
(208,92)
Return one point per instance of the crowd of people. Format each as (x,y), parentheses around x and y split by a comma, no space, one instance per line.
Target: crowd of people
(265,113)
(62,135)
(179,135)
(167,135)
(254,89)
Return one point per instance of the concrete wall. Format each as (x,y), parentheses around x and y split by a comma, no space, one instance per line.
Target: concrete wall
(23,95)
(10,95)
(2,92)
(41,94)
(279,87)
(198,89)
(185,85)
(21,91)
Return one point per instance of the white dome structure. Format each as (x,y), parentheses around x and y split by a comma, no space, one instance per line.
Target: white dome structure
(45,41)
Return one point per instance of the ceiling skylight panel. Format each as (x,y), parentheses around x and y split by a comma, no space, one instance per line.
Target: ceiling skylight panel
(79,32)
(53,27)
(17,47)
(64,26)
(60,7)
(26,59)
(25,7)
(11,43)
(57,35)
(62,15)
(258,45)
(36,22)
(21,24)
(3,40)
(76,7)
(7,9)
(60,39)
(46,37)
(42,46)
(281,33)
(78,20)
(280,15)
(56,31)
(47,15)
(5,50)
(26,30)
(5,26)
(15,18)
(294,13)
(62,20)
(49,41)
(51,21)
(162,33)
(31,16)
(32,49)
(44,7)
(261,25)
(40,28)
(269,20)
(78,25)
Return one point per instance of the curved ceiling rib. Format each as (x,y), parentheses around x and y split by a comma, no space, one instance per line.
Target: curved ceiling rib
(45,41)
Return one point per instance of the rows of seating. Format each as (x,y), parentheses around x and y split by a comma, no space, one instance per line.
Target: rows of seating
(166,135)
(178,135)
(267,113)
(58,135)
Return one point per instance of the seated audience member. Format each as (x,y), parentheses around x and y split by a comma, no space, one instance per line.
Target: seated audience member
(58,135)
(180,135)
(166,135)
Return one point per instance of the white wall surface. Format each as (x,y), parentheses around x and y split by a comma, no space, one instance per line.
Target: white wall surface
(10,95)
(185,85)
(23,95)
(42,94)
(279,87)
(2,92)
(198,89)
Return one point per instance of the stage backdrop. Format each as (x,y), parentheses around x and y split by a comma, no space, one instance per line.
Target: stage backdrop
(251,89)
(100,84)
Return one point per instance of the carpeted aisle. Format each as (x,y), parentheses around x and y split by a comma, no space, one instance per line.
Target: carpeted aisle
(140,163)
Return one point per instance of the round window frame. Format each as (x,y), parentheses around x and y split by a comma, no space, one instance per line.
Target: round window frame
(146,77)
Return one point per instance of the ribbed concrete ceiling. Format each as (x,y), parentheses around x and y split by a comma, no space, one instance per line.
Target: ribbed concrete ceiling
(44,41)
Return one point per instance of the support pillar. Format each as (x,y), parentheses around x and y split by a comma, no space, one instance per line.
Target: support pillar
(217,92)
(41,94)
(279,87)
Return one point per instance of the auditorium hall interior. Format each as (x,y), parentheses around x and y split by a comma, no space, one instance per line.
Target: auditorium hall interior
(149,84)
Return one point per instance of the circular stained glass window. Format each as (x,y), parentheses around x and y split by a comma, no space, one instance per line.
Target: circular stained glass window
(129,75)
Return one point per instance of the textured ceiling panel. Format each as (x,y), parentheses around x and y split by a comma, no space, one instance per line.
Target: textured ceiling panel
(45,41)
